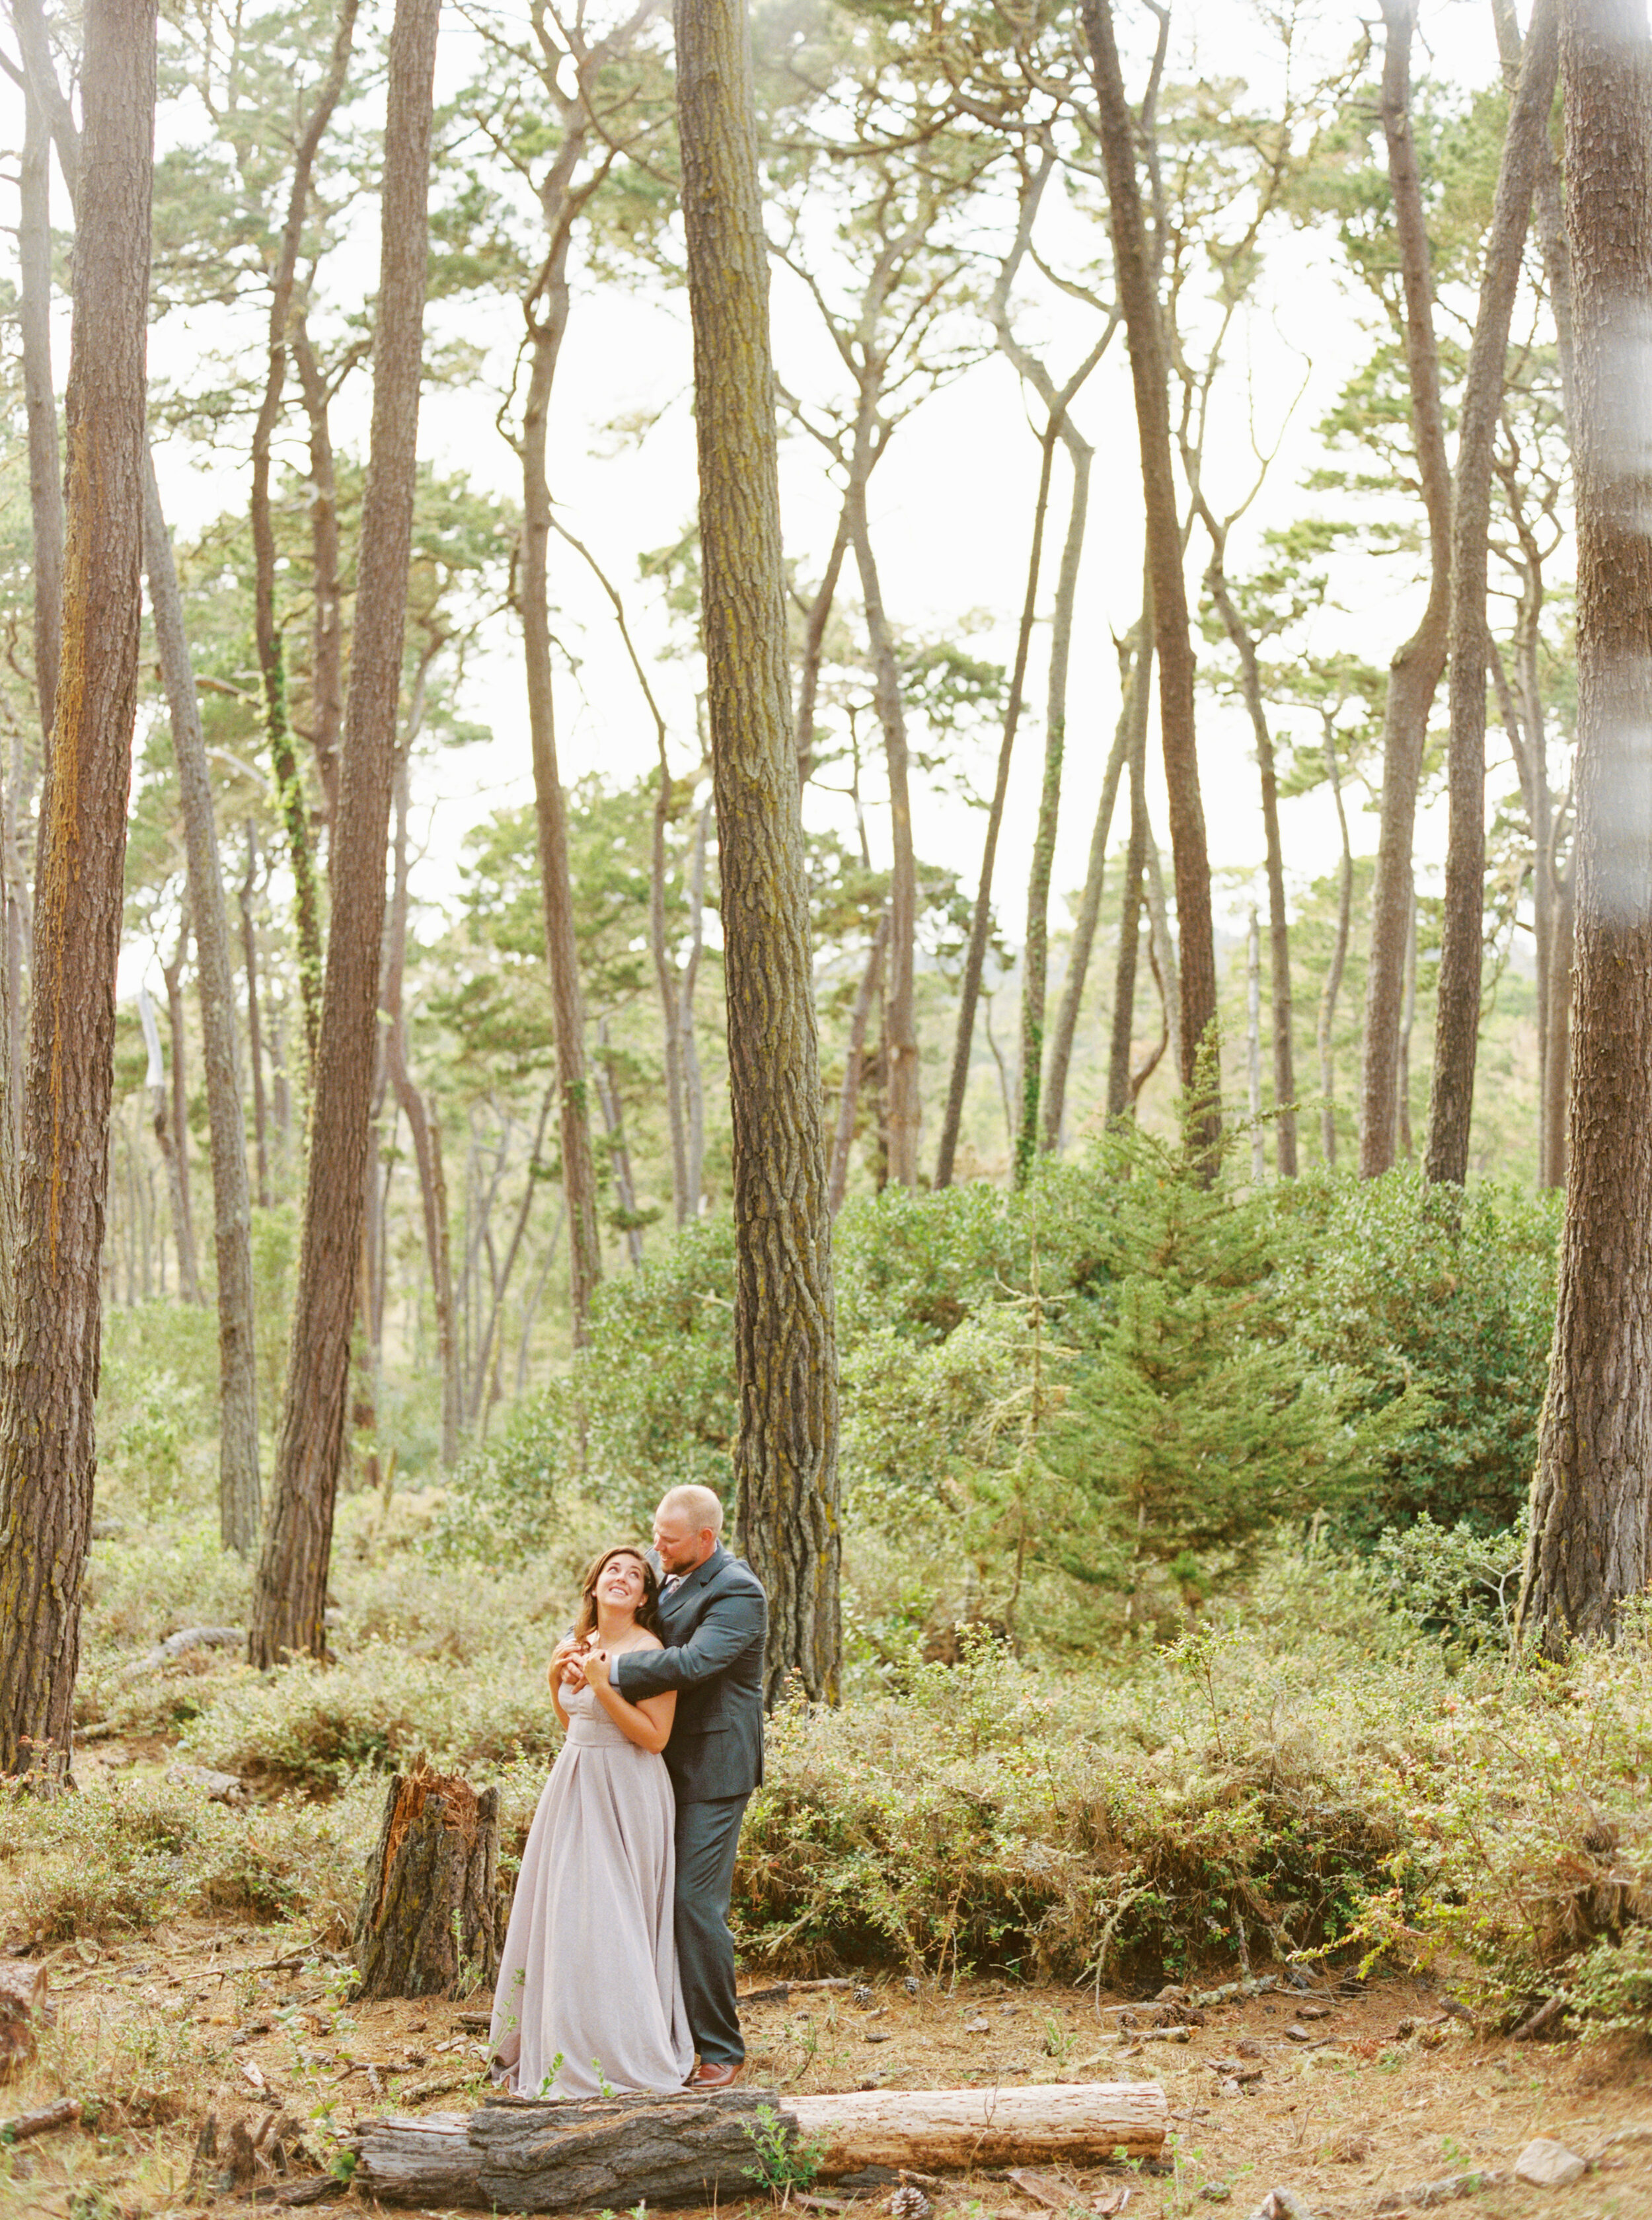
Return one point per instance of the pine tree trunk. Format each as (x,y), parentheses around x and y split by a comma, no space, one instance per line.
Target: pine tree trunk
(327,626)
(1130,734)
(1253,1048)
(1279,931)
(1556,1074)
(1036,957)
(254,1031)
(1591,1546)
(808,683)
(1456,1025)
(1121,1093)
(289,1595)
(854,1059)
(963,1041)
(667,986)
(188,1264)
(1414,674)
(290,798)
(427,1136)
(550,818)
(49,1387)
(786,1453)
(160,1125)
(1173,636)
(900,1009)
(39,400)
(1333,982)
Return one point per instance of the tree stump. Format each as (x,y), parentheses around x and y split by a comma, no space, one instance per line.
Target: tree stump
(426,1920)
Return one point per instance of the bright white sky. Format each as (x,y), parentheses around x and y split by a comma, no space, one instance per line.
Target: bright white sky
(951,508)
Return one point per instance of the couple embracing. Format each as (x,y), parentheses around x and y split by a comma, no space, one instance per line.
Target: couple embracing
(619,1967)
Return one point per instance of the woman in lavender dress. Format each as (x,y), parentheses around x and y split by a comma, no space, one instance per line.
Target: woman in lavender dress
(588,1998)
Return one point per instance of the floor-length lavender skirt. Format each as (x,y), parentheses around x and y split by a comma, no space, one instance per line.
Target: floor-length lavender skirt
(588,1996)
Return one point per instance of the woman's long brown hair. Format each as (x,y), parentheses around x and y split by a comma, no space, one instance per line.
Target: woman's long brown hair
(647,1609)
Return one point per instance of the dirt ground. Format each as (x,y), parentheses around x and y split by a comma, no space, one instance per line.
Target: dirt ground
(1351,2099)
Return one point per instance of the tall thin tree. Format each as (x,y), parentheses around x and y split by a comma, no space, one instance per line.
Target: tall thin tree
(1414,674)
(289,1594)
(1172,633)
(1456,1028)
(49,1384)
(1591,1546)
(786,1452)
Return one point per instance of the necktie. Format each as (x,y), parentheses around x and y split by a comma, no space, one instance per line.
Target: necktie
(672,1580)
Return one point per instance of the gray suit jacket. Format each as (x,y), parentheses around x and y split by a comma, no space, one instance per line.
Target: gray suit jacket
(715,1625)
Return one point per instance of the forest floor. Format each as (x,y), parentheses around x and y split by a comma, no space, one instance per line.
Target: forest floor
(1378,2091)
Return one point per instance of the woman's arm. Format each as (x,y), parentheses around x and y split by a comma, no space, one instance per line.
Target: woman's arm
(647,1724)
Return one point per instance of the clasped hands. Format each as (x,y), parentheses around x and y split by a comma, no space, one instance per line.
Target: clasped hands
(574,1666)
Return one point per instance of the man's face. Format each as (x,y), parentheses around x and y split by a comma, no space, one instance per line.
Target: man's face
(678,1543)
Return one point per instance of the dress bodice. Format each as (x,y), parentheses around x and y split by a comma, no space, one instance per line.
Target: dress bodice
(590,1726)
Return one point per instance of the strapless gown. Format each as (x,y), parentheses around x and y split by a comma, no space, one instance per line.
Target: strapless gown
(588,1995)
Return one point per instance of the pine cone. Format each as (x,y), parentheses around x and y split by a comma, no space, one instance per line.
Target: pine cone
(910,2203)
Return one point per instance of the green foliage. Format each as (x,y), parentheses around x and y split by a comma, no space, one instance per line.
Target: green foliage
(1404,1289)
(784,2161)
(1454,1583)
(124,1855)
(1196,1420)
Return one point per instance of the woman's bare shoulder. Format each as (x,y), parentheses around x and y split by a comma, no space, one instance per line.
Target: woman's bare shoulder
(645,1641)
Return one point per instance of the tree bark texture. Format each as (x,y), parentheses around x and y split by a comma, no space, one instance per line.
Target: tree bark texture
(426,1924)
(238,1484)
(1591,1545)
(786,1451)
(1557,1046)
(39,400)
(291,1591)
(49,1385)
(1173,636)
(517,2155)
(1414,674)
(1457,1025)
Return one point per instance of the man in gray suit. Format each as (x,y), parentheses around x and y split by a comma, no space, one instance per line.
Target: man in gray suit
(714,1623)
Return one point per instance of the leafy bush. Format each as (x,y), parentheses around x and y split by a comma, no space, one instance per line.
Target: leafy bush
(126,1856)
(1403,1287)
(1455,1584)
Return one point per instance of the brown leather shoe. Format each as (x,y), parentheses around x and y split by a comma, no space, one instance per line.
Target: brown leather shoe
(714,2073)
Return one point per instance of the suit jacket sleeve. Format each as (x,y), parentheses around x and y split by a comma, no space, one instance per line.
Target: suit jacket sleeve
(732,1623)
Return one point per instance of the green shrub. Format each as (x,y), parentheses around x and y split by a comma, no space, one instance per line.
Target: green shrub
(1400,1286)
(1456,1584)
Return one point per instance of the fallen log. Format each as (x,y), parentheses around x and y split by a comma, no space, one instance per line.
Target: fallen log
(520,2156)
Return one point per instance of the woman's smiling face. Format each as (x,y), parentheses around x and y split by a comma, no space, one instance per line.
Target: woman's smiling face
(621,1581)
